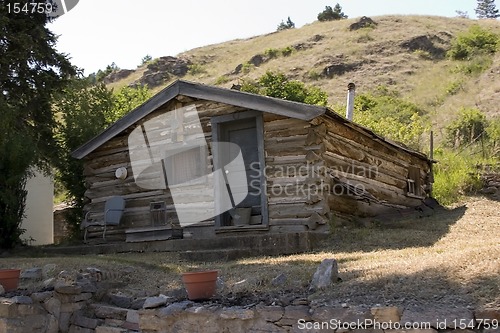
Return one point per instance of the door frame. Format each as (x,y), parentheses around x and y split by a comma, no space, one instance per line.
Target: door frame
(216,121)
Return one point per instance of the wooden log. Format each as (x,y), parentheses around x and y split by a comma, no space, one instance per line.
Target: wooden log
(315,219)
(137,195)
(287,123)
(146,202)
(311,223)
(297,210)
(287,199)
(286,132)
(112,191)
(184,99)
(113,182)
(295,139)
(289,221)
(116,142)
(268,117)
(217,110)
(279,160)
(335,160)
(117,158)
(313,138)
(373,186)
(339,164)
(384,192)
(315,198)
(317,121)
(287,228)
(360,154)
(105,169)
(320,129)
(106,152)
(290,146)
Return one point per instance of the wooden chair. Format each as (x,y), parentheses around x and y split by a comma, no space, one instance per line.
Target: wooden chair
(113,212)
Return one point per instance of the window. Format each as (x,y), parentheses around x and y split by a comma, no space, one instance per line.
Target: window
(414,184)
(185,166)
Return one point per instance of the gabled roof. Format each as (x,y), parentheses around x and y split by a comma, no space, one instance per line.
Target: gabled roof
(201,91)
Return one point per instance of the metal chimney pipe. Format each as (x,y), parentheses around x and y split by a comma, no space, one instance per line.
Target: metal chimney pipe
(351,91)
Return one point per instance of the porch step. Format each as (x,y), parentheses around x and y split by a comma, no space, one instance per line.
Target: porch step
(216,255)
(243,247)
(209,249)
(148,234)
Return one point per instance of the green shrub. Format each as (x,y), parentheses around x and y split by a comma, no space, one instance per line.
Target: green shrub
(101,74)
(475,66)
(454,87)
(313,74)
(221,80)
(469,127)
(276,84)
(390,116)
(286,51)
(454,176)
(246,68)
(272,53)
(476,41)
(195,69)
(423,54)
(365,37)
(493,133)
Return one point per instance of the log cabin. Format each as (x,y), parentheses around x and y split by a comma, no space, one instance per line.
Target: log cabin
(304,165)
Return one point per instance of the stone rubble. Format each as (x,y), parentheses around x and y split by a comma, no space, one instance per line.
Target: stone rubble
(326,274)
(490,178)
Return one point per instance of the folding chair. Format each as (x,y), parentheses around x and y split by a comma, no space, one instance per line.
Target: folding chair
(113,212)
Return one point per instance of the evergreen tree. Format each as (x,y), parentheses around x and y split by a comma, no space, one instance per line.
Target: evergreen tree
(31,72)
(146,59)
(285,26)
(86,109)
(487,9)
(330,14)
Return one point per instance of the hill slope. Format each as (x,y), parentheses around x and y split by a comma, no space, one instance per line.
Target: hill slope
(404,53)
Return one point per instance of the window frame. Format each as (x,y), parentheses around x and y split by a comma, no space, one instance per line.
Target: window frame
(413,183)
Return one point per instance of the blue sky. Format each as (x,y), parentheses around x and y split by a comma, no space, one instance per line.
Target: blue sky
(96,33)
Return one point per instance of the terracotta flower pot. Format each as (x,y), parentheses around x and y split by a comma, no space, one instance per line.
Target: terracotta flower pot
(9,278)
(200,285)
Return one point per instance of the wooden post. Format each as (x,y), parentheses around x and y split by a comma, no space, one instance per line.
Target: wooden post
(431,167)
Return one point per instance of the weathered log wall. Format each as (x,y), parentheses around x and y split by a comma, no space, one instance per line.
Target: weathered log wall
(377,169)
(305,162)
(101,164)
(296,192)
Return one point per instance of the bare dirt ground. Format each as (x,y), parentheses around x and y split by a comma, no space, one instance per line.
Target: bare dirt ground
(449,259)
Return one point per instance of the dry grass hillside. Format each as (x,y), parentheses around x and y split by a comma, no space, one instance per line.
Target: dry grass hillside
(403,53)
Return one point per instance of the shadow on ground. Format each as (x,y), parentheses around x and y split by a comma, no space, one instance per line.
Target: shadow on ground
(394,233)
